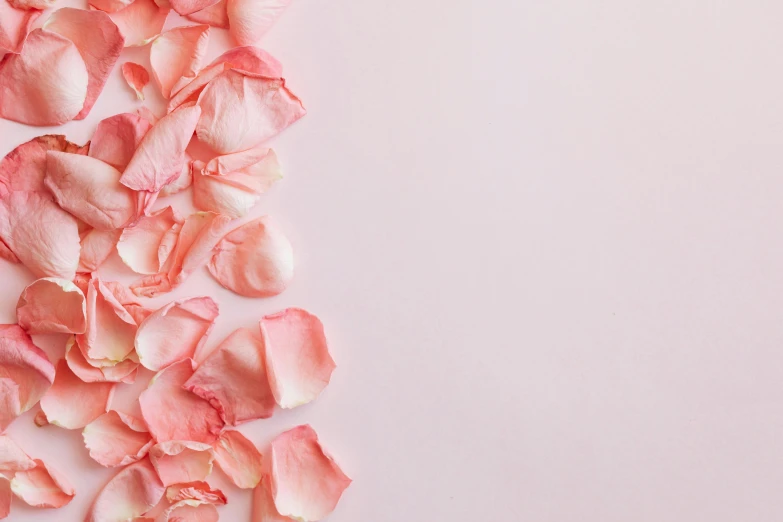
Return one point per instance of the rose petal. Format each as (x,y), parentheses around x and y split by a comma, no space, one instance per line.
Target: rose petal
(255,260)
(42,486)
(125,297)
(112,442)
(185,7)
(176,55)
(161,153)
(196,490)
(214,15)
(297,357)
(110,6)
(181,182)
(5,497)
(24,168)
(264,509)
(173,413)
(190,511)
(131,493)
(138,246)
(178,461)
(140,22)
(46,84)
(117,137)
(250,19)
(12,457)
(252,60)
(233,379)
(124,371)
(72,403)
(239,459)
(110,327)
(241,111)
(10,403)
(14,26)
(137,77)
(32,4)
(306,482)
(89,189)
(97,246)
(52,305)
(175,332)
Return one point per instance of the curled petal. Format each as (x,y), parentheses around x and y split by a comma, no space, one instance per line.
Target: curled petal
(89,189)
(239,459)
(240,111)
(173,413)
(306,482)
(139,245)
(137,77)
(14,25)
(97,246)
(255,260)
(233,379)
(196,490)
(52,305)
(140,22)
(117,137)
(176,55)
(178,461)
(297,356)
(161,153)
(12,457)
(124,371)
(46,84)
(72,403)
(24,168)
(214,15)
(113,441)
(110,327)
(264,509)
(42,486)
(249,20)
(131,493)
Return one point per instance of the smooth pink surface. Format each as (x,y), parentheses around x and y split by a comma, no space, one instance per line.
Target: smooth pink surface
(545,242)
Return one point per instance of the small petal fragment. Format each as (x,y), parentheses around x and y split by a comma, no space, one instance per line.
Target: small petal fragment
(239,459)
(117,137)
(112,441)
(132,492)
(178,461)
(12,457)
(137,77)
(173,413)
(251,19)
(214,15)
(306,482)
(176,55)
(72,403)
(97,246)
(24,168)
(140,22)
(139,245)
(42,486)
(52,305)
(14,25)
(255,260)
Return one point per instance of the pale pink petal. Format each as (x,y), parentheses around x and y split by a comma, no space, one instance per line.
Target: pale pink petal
(14,25)
(72,403)
(24,168)
(264,509)
(110,6)
(12,457)
(255,260)
(130,494)
(140,22)
(139,244)
(161,153)
(214,15)
(46,84)
(97,246)
(98,40)
(240,111)
(113,442)
(42,486)
(128,300)
(110,327)
(173,413)
(252,60)
(176,55)
(197,490)
(297,356)
(239,459)
(5,497)
(181,182)
(251,19)
(178,461)
(233,379)
(117,137)
(89,189)
(52,305)
(137,77)
(175,332)
(306,482)
(123,371)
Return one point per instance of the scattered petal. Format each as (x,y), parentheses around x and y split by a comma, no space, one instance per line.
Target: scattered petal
(250,19)
(176,55)
(113,441)
(181,182)
(110,327)
(255,260)
(147,114)
(12,457)
(72,403)
(131,493)
(196,490)
(178,461)
(137,77)
(42,486)
(139,245)
(214,15)
(110,6)
(97,246)
(141,22)
(123,371)
(239,459)
(117,137)
(52,305)
(252,60)
(306,482)
(24,168)
(264,509)
(14,26)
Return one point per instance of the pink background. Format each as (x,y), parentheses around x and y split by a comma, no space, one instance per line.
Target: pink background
(545,241)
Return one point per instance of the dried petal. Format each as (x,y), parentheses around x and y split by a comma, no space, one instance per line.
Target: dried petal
(214,15)
(117,137)
(113,440)
(12,457)
(140,22)
(42,486)
(24,168)
(72,403)
(239,459)
(131,493)
(52,305)
(250,19)
(176,55)
(14,25)
(178,461)
(139,245)
(97,246)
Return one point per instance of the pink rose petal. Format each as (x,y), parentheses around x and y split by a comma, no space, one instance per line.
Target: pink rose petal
(214,15)
(52,305)
(5,497)
(264,509)
(110,327)
(14,25)
(255,260)
(298,363)
(137,77)
(253,60)
(42,486)
(110,6)
(113,441)
(140,22)
(117,137)
(72,403)
(306,482)
(12,457)
(181,182)
(173,413)
(176,55)
(24,168)
(239,459)
(197,490)
(250,19)
(190,511)
(32,4)
(139,245)
(233,379)
(130,494)
(10,403)
(97,246)
(185,7)
(123,371)
(178,461)
(128,300)
(239,111)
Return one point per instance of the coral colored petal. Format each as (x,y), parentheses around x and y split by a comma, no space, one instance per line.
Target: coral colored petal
(72,403)
(42,486)
(264,509)
(110,327)
(176,55)
(255,260)
(214,15)
(161,153)
(140,22)
(110,6)
(14,25)
(306,482)
(178,461)
(186,7)
(12,457)
(24,168)
(252,60)
(124,371)
(32,4)
(51,305)
(197,490)
(297,356)
(233,379)
(181,182)
(137,77)
(173,413)
(26,366)
(117,137)
(239,459)
(139,244)
(251,19)
(175,332)
(5,497)
(97,246)
(112,442)
(191,91)
(46,84)
(10,403)
(130,494)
